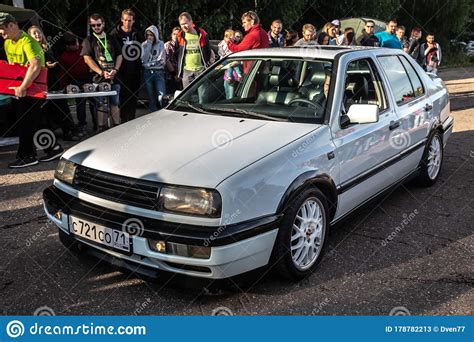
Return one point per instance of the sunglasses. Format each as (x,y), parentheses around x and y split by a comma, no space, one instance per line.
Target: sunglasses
(96,25)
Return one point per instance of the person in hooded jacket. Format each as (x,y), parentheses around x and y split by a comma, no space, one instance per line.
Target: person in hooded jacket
(255,36)
(154,61)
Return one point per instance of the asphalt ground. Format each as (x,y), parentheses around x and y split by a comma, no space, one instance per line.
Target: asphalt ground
(410,252)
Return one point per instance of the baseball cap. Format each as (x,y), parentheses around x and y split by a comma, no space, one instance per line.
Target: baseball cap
(6,18)
(336,22)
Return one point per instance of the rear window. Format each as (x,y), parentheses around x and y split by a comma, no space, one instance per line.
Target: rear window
(414,78)
(398,79)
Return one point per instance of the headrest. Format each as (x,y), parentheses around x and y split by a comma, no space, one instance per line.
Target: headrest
(317,78)
(357,85)
(280,77)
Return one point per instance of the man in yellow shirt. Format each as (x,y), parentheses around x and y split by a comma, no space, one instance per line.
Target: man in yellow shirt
(22,49)
(193,49)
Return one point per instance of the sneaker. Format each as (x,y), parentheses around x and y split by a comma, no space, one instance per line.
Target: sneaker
(23,162)
(55,153)
(81,131)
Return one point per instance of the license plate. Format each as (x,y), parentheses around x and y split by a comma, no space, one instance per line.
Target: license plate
(99,234)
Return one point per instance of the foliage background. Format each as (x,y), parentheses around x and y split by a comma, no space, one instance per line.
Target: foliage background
(451,19)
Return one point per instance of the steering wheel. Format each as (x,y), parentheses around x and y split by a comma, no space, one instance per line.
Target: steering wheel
(315,105)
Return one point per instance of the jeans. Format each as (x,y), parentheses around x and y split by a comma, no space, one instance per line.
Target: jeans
(189,76)
(155,86)
(229,89)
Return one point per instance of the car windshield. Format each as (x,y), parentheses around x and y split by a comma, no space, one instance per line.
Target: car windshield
(278,89)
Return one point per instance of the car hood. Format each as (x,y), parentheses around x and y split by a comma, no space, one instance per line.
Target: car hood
(184,148)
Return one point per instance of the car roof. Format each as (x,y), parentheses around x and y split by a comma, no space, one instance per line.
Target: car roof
(311,51)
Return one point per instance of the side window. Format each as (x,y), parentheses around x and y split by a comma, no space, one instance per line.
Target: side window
(363,85)
(414,78)
(398,79)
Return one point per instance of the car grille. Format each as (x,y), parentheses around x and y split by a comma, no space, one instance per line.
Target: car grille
(131,191)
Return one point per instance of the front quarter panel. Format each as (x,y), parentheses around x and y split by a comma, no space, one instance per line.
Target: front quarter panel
(257,190)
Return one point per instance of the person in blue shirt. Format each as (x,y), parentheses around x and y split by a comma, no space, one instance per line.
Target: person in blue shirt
(387,38)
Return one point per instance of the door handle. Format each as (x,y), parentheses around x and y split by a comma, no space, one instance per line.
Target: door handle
(393,125)
(428,107)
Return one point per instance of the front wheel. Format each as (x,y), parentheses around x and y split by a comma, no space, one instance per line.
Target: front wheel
(301,238)
(431,161)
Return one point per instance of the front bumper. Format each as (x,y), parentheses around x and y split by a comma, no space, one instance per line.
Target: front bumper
(235,249)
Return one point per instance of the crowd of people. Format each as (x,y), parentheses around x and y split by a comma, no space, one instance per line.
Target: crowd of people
(129,60)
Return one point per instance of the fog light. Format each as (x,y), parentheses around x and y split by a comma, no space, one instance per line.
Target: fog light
(189,251)
(159,246)
(180,249)
(59,215)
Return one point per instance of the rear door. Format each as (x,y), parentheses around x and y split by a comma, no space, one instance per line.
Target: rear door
(412,104)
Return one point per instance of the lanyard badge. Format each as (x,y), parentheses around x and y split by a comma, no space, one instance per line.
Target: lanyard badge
(107,55)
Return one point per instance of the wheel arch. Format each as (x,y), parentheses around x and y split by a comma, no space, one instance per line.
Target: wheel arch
(323,182)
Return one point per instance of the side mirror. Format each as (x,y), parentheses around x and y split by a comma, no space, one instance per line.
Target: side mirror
(360,114)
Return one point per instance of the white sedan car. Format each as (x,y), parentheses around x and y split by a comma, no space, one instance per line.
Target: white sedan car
(253,162)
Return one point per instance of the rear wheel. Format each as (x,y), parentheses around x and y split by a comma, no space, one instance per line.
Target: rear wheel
(430,166)
(300,241)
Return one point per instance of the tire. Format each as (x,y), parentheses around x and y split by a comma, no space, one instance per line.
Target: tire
(431,162)
(288,260)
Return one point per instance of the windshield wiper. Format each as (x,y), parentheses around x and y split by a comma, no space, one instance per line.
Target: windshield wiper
(195,107)
(245,113)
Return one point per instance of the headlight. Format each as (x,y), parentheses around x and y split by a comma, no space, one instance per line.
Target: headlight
(65,171)
(192,201)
